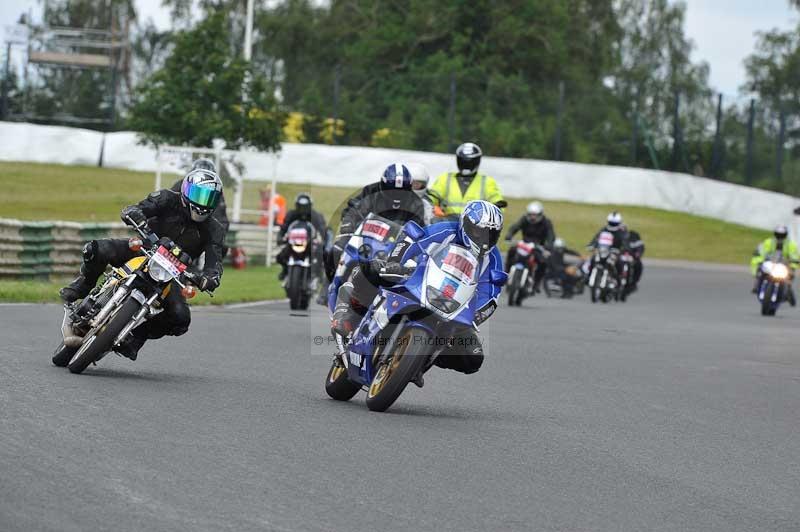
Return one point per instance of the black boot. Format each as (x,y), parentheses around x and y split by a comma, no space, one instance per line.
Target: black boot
(348,311)
(129,348)
(284,271)
(790,296)
(77,289)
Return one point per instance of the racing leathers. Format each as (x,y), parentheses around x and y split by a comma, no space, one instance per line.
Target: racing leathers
(166,216)
(465,352)
(540,233)
(557,269)
(399,206)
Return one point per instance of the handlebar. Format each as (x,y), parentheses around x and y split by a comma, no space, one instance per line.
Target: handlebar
(153,239)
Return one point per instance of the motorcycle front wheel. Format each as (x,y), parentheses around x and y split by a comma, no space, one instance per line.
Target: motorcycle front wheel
(408,357)
(514,288)
(101,340)
(296,289)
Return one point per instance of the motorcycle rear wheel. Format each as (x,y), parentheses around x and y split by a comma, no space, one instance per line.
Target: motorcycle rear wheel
(409,355)
(101,341)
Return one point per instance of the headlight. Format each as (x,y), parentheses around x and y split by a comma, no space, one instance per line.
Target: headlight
(437,299)
(158,272)
(779,271)
(298,248)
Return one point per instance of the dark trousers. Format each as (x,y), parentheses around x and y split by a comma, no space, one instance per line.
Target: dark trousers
(175,318)
(464,354)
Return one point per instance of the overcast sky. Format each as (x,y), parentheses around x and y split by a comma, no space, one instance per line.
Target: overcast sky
(723,30)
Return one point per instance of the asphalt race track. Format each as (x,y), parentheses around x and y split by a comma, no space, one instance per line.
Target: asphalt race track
(677,411)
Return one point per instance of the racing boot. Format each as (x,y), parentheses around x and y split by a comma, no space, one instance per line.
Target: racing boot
(790,296)
(81,286)
(348,311)
(129,348)
(283,272)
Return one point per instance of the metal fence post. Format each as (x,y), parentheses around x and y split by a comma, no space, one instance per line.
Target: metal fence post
(677,143)
(337,78)
(451,114)
(748,172)
(716,152)
(559,121)
(781,143)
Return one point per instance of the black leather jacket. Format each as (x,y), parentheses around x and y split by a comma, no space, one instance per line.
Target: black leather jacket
(540,232)
(167,217)
(316,219)
(399,206)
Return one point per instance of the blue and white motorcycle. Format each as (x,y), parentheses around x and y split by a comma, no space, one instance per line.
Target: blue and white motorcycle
(372,239)
(409,324)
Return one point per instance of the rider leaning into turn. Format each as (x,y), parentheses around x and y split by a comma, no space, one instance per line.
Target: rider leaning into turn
(779,241)
(189,219)
(453,190)
(536,228)
(478,228)
(392,198)
(303,211)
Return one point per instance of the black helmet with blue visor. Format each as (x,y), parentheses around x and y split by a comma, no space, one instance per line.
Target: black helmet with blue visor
(201,191)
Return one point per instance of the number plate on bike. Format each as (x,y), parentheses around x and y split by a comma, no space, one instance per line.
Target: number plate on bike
(460,264)
(168,261)
(375,229)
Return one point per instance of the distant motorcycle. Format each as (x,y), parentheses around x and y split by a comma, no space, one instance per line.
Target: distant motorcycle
(603,283)
(303,265)
(523,264)
(776,284)
(128,296)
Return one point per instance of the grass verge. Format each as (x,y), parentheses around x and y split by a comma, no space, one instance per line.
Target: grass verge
(255,283)
(83,193)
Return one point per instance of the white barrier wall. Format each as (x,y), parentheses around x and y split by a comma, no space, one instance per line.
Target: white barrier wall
(356,166)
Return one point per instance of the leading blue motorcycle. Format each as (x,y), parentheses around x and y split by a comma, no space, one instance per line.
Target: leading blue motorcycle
(409,324)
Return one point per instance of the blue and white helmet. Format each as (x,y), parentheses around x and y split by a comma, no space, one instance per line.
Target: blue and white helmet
(480,226)
(396,177)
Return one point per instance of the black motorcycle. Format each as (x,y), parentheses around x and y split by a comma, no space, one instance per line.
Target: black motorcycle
(603,282)
(127,297)
(776,284)
(523,264)
(303,266)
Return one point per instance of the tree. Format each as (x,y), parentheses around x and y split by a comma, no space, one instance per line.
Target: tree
(206,91)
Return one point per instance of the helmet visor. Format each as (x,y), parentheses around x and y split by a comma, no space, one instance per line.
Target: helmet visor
(484,237)
(200,195)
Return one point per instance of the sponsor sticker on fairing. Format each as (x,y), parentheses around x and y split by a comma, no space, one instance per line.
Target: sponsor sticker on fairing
(375,229)
(460,263)
(448,288)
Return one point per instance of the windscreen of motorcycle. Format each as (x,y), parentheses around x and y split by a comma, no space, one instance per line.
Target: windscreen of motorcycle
(451,278)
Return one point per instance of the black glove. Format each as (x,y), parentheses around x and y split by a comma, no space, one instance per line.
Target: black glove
(135,214)
(393,271)
(208,281)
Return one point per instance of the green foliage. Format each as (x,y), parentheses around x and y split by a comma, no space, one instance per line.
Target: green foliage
(206,91)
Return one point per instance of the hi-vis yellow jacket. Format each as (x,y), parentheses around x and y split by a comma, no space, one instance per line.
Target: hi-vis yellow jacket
(447,192)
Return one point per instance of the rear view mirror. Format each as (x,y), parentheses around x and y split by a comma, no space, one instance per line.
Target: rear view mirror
(413,230)
(498,278)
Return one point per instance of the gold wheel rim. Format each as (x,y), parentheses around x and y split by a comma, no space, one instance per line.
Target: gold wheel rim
(385,371)
(336,372)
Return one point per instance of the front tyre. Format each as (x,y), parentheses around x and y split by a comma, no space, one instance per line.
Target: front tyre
(514,288)
(766,303)
(101,340)
(403,364)
(337,385)
(63,354)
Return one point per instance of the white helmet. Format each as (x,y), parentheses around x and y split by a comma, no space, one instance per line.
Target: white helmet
(535,211)
(419,178)
(614,221)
